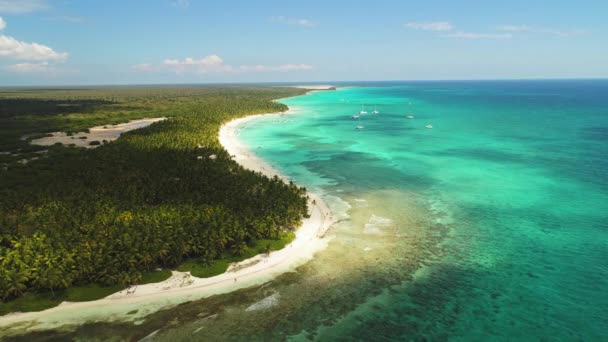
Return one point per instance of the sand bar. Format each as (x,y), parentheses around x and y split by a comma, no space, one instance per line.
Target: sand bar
(182,287)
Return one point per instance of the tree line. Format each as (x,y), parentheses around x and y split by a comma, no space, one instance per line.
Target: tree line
(152,198)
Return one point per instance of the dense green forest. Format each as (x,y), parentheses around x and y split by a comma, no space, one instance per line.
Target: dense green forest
(153,198)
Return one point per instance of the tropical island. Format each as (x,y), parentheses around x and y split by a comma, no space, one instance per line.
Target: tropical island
(79,224)
(182,170)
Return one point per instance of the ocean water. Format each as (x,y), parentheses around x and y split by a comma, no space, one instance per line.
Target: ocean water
(492,225)
(513,176)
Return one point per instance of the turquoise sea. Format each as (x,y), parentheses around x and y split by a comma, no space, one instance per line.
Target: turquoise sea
(491,226)
(513,178)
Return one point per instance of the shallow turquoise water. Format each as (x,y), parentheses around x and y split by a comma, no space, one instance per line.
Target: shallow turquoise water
(516,172)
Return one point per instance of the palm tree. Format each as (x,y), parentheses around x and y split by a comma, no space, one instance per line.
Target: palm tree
(15,282)
(239,248)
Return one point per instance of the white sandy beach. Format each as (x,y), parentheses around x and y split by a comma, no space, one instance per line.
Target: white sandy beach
(312,87)
(183,287)
(97,133)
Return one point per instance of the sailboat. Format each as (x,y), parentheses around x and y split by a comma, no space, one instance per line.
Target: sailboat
(363,111)
(360,127)
(355,117)
(375,111)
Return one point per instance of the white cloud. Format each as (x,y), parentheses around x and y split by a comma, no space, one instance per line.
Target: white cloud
(214,64)
(22,6)
(29,68)
(209,61)
(13,48)
(37,54)
(446,30)
(294,21)
(181,3)
(69,19)
(431,26)
(540,30)
(514,28)
(470,35)
(144,67)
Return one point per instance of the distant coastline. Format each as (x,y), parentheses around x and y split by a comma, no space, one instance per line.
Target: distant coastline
(312,87)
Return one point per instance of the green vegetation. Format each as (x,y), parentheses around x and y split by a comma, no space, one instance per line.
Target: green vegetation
(155,276)
(40,300)
(203,269)
(78,224)
(36,301)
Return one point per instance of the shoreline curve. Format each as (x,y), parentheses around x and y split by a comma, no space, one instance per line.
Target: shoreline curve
(181,287)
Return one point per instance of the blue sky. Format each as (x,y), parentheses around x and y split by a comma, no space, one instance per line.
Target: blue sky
(45,42)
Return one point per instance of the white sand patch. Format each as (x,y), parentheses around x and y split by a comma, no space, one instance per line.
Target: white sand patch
(376,224)
(182,287)
(97,133)
(312,87)
(266,303)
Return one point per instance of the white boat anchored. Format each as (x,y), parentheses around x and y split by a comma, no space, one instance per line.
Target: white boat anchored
(429,126)
(410,116)
(360,127)
(375,111)
(355,117)
(363,111)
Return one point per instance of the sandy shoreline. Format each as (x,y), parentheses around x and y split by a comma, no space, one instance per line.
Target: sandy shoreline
(182,287)
(311,86)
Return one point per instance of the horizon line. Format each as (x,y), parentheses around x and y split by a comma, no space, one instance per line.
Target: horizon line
(84,85)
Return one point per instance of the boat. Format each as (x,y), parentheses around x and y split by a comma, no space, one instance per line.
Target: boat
(375,111)
(429,126)
(355,117)
(410,116)
(363,111)
(360,127)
